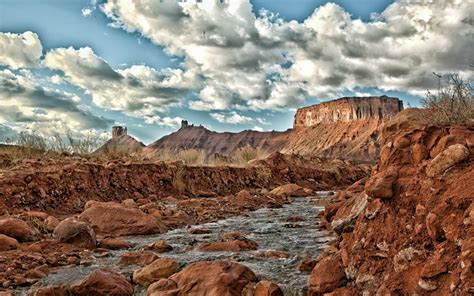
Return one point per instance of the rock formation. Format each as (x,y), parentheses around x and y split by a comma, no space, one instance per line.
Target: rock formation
(408,229)
(348,109)
(121,142)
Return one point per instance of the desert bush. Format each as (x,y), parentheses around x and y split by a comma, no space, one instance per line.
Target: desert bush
(191,156)
(453,103)
(178,180)
(247,153)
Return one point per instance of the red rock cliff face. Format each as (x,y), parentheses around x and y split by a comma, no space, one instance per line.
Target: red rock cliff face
(347,110)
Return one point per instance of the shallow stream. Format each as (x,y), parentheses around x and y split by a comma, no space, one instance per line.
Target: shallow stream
(267,227)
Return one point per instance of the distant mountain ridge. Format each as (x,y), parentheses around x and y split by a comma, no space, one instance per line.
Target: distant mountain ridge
(346,128)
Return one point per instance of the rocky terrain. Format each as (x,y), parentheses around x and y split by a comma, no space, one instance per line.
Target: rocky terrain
(347,128)
(408,229)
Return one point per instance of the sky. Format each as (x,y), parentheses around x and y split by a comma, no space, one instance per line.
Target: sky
(84,66)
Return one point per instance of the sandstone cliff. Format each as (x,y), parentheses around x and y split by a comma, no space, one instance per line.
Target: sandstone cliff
(348,109)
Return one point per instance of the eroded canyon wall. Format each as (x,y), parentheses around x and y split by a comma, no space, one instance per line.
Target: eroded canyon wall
(348,109)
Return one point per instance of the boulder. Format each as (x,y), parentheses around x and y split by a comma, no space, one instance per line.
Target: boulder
(451,156)
(214,278)
(229,246)
(160,246)
(291,190)
(158,269)
(141,258)
(267,288)
(18,229)
(102,282)
(327,275)
(163,287)
(348,212)
(51,223)
(381,185)
(115,219)
(8,243)
(75,232)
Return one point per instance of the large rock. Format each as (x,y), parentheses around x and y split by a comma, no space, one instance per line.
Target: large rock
(381,185)
(267,288)
(141,258)
(451,156)
(237,245)
(214,278)
(8,243)
(18,229)
(291,190)
(158,269)
(163,287)
(348,212)
(327,275)
(102,282)
(116,219)
(75,232)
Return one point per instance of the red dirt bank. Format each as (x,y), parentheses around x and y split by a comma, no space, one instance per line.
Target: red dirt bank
(410,228)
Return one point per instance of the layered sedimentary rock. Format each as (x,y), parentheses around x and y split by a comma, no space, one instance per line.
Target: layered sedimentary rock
(214,143)
(348,109)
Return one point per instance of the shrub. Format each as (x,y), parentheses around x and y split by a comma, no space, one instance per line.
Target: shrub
(191,156)
(453,103)
(247,153)
(178,180)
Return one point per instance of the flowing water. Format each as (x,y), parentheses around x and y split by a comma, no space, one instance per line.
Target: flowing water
(268,227)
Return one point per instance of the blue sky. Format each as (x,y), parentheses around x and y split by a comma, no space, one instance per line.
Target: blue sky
(240,101)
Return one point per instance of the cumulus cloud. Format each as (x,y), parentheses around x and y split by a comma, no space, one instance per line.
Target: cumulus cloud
(137,91)
(20,50)
(27,104)
(263,62)
(235,118)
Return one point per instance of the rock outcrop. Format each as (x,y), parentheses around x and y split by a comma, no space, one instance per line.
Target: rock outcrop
(120,143)
(348,110)
(408,228)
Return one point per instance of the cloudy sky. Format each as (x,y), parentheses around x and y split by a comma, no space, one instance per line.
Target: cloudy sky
(229,65)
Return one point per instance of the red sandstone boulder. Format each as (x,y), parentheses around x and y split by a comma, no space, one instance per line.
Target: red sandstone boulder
(267,288)
(75,232)
(141,258)
(51,223)
(18,229)
(214,278)
(381,185)
(291,190)
(451,156)
(348,212)
(163,287)
(116,219)
(160,246)
(327,275)
(8,243)
(158,269)
(237,245)
(102,282)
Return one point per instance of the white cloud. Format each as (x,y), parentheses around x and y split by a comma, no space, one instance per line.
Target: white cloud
(235,118)
(28,105)
(236,52)
(86,11)
(20,50)
(137,91)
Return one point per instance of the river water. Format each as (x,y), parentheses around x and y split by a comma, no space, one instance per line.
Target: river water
(267,227)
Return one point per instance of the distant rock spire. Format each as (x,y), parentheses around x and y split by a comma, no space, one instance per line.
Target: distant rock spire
(118,131)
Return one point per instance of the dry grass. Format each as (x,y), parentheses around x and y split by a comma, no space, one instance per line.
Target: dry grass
(192,157)
(178,180)
(246,154)
(453,103)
